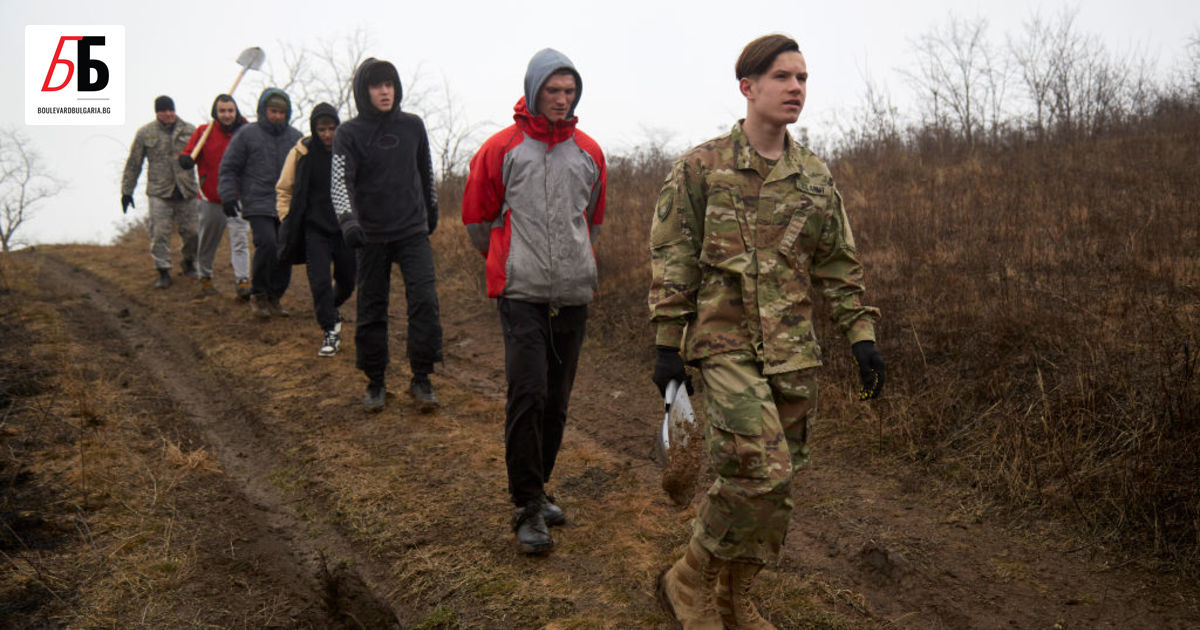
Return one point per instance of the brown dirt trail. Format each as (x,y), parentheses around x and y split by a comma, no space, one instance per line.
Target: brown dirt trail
(415,507)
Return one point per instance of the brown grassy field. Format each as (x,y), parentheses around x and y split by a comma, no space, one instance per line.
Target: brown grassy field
(171,462)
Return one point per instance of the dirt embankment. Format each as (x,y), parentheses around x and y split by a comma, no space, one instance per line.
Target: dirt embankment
(172,462)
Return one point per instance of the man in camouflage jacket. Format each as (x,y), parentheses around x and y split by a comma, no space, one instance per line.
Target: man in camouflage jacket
(745,224)
(170,187)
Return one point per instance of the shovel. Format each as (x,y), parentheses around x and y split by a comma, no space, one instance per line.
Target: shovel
(678,419)
(250,59)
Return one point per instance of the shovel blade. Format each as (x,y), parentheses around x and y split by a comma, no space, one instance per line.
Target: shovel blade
(251,58)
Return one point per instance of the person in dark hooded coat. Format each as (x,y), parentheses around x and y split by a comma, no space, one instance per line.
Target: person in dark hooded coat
(303,202)
(386,202)
(249,171)
(211,212)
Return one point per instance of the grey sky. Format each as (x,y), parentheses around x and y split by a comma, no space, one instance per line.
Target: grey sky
(647,67)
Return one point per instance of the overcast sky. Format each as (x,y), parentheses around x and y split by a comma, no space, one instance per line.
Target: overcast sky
(647,67)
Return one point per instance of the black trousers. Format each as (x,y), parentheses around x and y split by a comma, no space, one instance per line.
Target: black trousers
(541,351)
(268,276)
(320,251)
(415,258)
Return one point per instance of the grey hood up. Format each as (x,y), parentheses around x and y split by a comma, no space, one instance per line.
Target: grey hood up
(543,64)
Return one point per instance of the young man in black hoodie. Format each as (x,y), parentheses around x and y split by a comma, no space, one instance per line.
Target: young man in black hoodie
(302,194)
(386,201)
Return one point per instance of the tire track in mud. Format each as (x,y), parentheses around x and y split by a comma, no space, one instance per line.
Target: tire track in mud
(292,549)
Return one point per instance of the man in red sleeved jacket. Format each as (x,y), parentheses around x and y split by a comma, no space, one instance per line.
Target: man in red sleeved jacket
(533,204)
(212,216)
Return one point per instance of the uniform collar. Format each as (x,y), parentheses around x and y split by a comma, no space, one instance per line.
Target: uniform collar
(745,155)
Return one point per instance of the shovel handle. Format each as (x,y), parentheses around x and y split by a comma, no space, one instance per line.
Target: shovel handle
(208,130)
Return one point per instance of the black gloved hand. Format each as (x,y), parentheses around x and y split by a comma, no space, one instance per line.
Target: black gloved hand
(231,208)
(870,369)
(126,203)
(354,236)
(432,224)
(186,161)
(668,366)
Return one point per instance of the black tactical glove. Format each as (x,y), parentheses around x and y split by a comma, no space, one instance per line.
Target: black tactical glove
(231,208)
(870,369)
(432,223)
(354,236)
(126,203)
(668,366)
(186,162)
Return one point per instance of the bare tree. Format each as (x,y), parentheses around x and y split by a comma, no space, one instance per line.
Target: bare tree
(324,71)
(953,69)
(24,181)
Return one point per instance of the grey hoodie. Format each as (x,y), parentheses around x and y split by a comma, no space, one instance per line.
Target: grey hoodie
(541,66)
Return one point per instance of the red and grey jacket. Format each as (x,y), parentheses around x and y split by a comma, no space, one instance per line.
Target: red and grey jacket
(533,203)
(208,162)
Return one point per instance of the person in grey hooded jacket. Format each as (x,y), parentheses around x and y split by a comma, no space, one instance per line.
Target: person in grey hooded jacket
(249,171)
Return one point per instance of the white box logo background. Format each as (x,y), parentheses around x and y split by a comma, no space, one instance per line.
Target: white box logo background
(69,106)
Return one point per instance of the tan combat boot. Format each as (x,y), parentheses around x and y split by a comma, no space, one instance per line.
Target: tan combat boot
(687,589)
(733,597)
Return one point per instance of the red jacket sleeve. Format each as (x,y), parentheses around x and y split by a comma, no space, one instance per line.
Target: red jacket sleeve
(483,196)
(600,189)
(194,139)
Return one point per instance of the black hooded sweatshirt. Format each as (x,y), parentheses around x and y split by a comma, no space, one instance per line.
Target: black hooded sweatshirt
(382,173)
(312,177)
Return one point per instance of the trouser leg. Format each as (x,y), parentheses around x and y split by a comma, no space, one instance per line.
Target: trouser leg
(370,332)
(184,212)
(317,258)
(160,233)
(415,257)
(526,337)
(211,223)
(343,270)
(239,246)
(744,515)
(270,276)
(567,330)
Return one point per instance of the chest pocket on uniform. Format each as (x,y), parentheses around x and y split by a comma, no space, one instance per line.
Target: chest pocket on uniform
(725,232)
(797,243)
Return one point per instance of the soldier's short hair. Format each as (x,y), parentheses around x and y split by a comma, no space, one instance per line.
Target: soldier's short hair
(758,55)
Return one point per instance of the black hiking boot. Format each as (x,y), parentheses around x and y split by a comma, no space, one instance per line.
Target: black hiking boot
(187,267)
(164,279)
(551,513)
(258,306)
(533,535)
(276,309)
(373,399)
(422,391)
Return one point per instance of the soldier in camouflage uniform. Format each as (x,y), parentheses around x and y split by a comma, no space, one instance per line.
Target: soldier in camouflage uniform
(170,187)
(745,223)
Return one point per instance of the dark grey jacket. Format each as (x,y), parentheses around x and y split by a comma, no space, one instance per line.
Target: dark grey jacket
(254,159)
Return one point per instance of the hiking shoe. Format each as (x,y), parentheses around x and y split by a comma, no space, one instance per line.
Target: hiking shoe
(188,268)
(551,513)
(164,279)
(422,391)
(258,306)
(243,288)
(329,347)
(274,308)
(206,287)
(373,400)
(533,536)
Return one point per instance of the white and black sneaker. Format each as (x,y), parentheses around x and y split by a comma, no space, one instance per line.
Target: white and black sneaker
(329,347)
(337,326)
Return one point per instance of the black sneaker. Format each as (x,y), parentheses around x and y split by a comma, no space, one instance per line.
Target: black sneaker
(533,535)
(329,347)
(422,391)
(551,513)
(187,267)
(373,400)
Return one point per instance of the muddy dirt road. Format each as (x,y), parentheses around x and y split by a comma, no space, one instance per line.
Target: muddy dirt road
(281,504)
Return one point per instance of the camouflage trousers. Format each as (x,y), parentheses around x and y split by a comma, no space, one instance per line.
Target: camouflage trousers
(756,440)
(164,213)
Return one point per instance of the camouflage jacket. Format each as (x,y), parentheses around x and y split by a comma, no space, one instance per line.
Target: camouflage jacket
(160,148)
(733,255)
